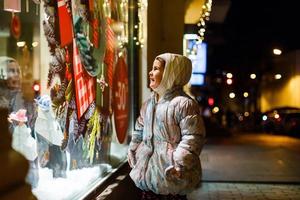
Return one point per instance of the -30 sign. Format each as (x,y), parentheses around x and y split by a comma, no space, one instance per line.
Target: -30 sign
(122,94)
(120,99)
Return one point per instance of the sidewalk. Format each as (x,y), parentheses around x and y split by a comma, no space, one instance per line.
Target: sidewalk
(252,158)
(250,167)
(244,167)
(245,191)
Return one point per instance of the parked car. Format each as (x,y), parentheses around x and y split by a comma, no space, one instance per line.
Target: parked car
(283,120)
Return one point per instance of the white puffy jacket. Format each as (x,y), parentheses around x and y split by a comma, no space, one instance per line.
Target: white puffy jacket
(168,133)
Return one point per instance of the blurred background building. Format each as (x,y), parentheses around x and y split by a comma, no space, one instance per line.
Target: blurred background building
(252,53)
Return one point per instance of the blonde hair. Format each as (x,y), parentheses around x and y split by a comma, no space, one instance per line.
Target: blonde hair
(163,62)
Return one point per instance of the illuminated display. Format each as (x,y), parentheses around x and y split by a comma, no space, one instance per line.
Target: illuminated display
(197,52)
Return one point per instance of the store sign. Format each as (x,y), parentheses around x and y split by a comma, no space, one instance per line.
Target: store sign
(120,95)
(84,84)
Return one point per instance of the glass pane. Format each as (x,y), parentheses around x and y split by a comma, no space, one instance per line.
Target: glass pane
(68,108)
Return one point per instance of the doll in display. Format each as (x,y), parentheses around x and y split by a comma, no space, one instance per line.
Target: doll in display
(24,143)
(49,137)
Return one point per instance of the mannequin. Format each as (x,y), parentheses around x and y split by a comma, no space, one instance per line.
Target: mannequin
(49,136)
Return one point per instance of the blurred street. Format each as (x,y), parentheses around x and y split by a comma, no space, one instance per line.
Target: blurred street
(250,166)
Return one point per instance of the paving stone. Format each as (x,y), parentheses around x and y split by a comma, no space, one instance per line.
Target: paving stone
(241,191)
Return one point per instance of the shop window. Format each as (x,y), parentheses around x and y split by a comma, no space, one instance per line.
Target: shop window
(64,81)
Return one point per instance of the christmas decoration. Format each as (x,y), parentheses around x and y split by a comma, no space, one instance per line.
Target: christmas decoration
(74,68)
(94,125)
(81,33)
(84,85)
(205,13)
(109,53)
(15,26)
(65,24)
(139,39)
(49,27)
(120,99)
(60,58)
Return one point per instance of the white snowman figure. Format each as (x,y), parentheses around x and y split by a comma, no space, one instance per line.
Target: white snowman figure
(50,137)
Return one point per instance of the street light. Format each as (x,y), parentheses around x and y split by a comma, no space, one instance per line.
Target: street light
(253,76)
(229,75)
(231,95)
(229,81)
(277,76)
(277,51)
(215,110)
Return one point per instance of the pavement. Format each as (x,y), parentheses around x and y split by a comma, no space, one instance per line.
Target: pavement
(250,166)
(246,191)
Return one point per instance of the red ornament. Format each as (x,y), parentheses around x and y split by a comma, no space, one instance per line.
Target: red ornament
(68,72)
(67,55)
(15,26)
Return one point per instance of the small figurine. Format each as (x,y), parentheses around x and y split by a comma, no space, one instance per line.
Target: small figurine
(49,137)
(24,143)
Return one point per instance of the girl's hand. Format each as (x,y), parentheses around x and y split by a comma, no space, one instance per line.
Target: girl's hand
(172,173)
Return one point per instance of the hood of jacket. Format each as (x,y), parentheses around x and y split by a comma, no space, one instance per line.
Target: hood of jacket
(177,72)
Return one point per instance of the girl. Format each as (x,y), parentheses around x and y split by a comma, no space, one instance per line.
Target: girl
(165,148)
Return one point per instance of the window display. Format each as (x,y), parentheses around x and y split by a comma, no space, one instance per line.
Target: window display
(49,137)
(73,131)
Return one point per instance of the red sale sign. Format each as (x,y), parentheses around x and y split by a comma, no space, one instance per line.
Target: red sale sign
(120,99)
(84,84)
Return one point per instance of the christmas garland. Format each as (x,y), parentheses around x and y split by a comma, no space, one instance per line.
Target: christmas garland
(85,47)
(58,66)
(58,63)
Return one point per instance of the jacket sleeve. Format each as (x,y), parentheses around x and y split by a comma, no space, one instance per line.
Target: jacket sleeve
(137,135)
(192,140)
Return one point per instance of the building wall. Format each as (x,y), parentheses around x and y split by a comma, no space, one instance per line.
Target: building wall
(165,28)
(285,91)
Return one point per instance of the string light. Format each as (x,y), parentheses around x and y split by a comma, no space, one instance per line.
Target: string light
(206,9)
(142,5)
(123,40)
(107,8)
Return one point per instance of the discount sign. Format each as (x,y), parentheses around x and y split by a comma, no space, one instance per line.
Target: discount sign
(120,99)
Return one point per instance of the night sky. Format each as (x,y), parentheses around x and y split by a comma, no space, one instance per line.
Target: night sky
(250,31)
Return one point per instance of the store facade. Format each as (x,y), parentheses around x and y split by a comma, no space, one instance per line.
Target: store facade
(81,71)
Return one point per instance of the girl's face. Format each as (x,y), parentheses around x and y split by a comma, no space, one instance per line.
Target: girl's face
(155,75)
